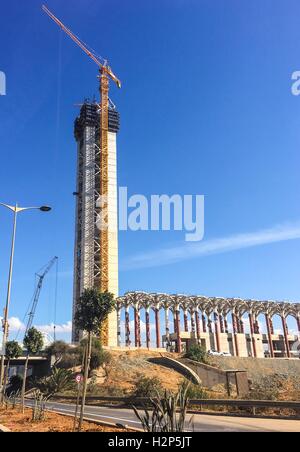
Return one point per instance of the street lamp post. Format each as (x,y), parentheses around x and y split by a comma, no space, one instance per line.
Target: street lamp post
(15,209)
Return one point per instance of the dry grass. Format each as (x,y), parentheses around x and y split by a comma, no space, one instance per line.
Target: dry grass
(127,367)
(17,422)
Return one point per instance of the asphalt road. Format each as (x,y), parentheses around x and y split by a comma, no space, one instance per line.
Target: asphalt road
(200,422)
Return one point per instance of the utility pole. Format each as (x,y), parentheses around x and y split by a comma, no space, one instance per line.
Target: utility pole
(15,209)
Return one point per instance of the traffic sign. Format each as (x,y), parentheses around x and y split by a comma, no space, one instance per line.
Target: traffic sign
(79,378)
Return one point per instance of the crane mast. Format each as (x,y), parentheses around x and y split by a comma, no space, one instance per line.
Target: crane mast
(102,281)
(37,293)
(104,90)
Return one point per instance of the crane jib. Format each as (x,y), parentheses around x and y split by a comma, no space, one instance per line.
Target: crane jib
(81,45)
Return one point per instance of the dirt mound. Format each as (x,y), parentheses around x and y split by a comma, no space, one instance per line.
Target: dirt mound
(127,367)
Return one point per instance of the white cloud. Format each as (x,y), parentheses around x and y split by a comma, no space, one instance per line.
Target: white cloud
(187,251)
(16,325)
(65,328)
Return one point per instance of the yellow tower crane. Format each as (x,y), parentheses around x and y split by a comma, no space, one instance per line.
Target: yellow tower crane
(105,74)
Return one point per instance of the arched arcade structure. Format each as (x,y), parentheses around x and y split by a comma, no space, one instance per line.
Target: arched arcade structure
(226,325)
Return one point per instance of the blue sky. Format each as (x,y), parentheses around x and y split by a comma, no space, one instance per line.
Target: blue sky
(206,108)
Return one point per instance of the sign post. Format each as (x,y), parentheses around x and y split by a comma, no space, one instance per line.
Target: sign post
(78,379)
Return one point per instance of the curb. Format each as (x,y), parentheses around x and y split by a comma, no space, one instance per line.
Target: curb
(4,429)
(87,419)
(97,422)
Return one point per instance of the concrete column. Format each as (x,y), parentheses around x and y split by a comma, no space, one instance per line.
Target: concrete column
(268,323)
(204,324)
(177,317)
(252,330)
(286,339)
(198,328)
(217,331)
(193,324)
(139,329)
(186,322)
(242,329)
(235,331)
(298,324)
(174,320)
(148,338)
(237,324)
(167,325)
(209,323)
(136,328)
(221,324)
(127,327)
(226,324)
(157,327)
(256,326)
(119,326)
(271,325)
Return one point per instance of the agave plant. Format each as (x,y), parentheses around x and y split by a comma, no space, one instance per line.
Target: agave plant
(168,412)
(60,380)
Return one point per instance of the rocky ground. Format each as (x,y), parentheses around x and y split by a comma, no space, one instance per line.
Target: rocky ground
(276,379)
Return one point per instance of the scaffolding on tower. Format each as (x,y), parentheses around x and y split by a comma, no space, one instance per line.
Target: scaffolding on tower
(100,278)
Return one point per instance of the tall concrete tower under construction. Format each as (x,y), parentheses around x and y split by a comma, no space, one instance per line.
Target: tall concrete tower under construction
(87,256)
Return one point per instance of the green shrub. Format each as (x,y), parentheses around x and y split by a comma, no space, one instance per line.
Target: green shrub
(15,384)
(73,357)
(197,392)
(148,387)
(197,353)
(99,357)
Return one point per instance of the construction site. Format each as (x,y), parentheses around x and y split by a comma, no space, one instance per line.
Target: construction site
(196,319)
(149,357)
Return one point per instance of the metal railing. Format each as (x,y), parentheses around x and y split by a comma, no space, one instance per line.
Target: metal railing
(251,407)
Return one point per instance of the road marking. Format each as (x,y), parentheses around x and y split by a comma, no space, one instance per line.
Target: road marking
(95,415)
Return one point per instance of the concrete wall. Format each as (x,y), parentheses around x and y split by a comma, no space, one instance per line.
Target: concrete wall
(177,365)
(257,368)
(38,367)
(209,376)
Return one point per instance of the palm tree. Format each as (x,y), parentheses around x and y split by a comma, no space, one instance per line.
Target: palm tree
(91,312)
(33,342)
(13,351)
